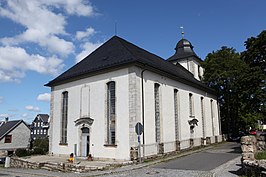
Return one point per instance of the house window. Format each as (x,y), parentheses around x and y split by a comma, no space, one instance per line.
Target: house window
(111,117)
(64,118)
(41,124)
(44,131)
(199,73)
(38,131)
(202,115)
(176,102)
(157,111)
(191,105)
(41,132)
(34,132)
(8,138)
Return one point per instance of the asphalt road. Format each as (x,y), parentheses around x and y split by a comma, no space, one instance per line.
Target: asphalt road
(222,160)
(205,160)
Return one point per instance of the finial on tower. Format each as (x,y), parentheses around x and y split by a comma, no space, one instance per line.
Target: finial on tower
(182,31)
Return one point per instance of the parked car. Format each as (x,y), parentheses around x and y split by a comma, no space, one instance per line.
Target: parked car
(253,132)
(237,136)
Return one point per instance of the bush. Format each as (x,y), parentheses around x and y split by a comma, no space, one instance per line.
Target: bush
(38,151)
(22,152)
(41,146)
(260,155)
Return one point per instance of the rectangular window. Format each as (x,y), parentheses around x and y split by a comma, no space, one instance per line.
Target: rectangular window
(157,111)
(8,138)
(111,117)
(191,105)
(41,132)
(44,131)
(176,113)
(38,131)
(64,118)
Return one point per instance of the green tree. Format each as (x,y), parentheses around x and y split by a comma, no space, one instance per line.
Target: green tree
(254,94)
(223,72)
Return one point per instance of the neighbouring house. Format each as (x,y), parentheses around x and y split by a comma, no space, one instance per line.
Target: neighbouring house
(96,104)
(14,135)
(40,126)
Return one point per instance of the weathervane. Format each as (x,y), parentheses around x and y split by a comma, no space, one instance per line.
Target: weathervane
(182,31)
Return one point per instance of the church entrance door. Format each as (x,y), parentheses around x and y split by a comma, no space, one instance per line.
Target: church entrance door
(85,142)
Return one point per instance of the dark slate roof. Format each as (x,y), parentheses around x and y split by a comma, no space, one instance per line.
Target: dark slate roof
(117,52)
(184,49)
(8,127)
(44,117)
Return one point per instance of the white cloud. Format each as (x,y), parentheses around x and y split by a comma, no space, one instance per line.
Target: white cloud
(88,47)
(41,23)
(1,99)
(4,115)
(32,108)
(82,34)
(44,23)
(24,115)
(44,97)
(74,7)
(14,61)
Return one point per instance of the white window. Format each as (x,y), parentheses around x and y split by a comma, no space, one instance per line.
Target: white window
(44,131)
(64,118)
(191,105)
(38,132)
(111,116)
(41,132)
(157,112)
(176,103)
(34,132)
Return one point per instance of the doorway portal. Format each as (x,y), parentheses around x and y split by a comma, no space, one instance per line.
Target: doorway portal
(85,142)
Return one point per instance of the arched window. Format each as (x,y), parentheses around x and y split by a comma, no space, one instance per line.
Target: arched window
(111,118)
(202,116)
(64,118)
(157,112)
(212,117)
(191,105)
(176,103)
(85,130)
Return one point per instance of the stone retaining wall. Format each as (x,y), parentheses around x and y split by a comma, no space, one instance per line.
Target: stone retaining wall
(63,167)
(250,145)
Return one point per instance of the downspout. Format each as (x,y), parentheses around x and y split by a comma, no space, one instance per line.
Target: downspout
(142,103)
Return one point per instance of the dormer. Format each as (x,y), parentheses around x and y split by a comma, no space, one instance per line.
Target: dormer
(186,57)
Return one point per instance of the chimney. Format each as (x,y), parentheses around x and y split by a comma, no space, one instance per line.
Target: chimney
(6,119)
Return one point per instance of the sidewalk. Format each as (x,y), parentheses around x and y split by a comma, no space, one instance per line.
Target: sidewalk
(96,167)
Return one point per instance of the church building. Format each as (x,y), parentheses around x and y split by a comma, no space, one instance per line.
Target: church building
(96,104)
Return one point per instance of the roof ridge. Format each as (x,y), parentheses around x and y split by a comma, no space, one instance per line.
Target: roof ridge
(121,40)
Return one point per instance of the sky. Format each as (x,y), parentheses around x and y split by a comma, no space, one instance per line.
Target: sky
(40,39)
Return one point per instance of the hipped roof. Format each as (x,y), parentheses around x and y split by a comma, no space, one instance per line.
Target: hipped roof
(117,52)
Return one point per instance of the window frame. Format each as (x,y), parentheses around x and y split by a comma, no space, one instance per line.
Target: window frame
(64,118)
(191,106)
(111,114)
(8,140)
